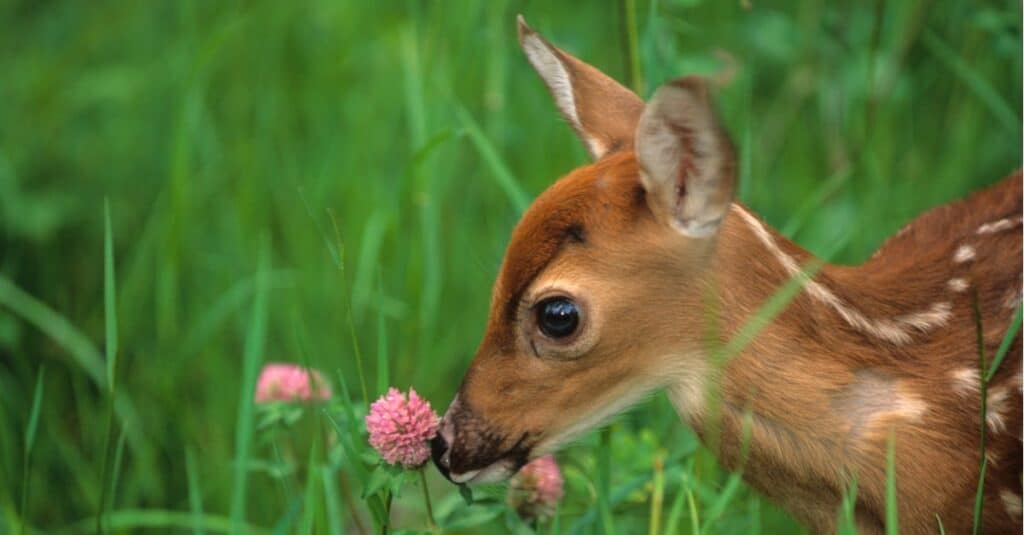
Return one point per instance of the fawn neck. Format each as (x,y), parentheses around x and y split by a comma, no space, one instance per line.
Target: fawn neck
(797,407)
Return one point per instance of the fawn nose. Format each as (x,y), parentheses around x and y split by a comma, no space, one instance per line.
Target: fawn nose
(440,451)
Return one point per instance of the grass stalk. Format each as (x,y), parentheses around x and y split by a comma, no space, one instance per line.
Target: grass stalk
(979,496)
(499,170)
(195,494)
(604,476)
(30,441)
(892,523)
(110,322)
(631,50)
(347,297)
(252,356)
(431,524)
(657,495)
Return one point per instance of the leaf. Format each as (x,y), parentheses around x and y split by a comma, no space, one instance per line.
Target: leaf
(379,478)
(371,457)
(472,516)
(466,493)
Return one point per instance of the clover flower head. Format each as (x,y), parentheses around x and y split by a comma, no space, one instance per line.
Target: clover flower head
(401,428)
(291,382)
(536,489)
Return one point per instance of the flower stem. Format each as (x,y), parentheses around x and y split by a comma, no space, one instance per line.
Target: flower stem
(426,500)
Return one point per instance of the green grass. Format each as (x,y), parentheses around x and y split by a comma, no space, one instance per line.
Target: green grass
(333,184)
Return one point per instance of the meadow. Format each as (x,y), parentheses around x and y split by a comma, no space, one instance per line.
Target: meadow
(191,189)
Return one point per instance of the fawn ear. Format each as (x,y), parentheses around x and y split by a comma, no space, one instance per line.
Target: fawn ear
(602,112)
(687,163)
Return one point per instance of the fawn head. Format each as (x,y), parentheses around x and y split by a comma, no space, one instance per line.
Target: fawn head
(588,312)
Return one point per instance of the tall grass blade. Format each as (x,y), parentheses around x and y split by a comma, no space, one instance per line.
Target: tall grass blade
(110,321)
(1004,345)
(383,362)
(30,441)
(892,526)
(657,496)
(979,497)
(195,493)
(694,515)
(977,83)
(309,500)
(627,11)
(33,417)
(675,513)
(136,520)
(332,501)
(253,355)
(604,481)
(55,326)
(501,173)
(109,296)
(115,477)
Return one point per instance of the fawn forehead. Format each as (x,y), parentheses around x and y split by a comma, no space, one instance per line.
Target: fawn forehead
(599,198)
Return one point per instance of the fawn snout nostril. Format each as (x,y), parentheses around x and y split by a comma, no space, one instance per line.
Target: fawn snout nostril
(440,451)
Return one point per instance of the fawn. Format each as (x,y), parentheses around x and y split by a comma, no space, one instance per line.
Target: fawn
(623,276)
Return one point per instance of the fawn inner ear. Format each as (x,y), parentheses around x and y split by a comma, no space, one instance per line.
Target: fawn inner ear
(601,112)
(687,163)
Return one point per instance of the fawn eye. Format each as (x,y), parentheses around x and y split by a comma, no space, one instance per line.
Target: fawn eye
(557,317)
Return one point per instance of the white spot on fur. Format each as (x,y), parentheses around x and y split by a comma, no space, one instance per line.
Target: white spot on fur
(1011,502)
(957,285)
(997,405)
(894,330)
(965,253)
(909,407)
(991,459)
(996,226)
(937,315)
(1012,299)
(966,380)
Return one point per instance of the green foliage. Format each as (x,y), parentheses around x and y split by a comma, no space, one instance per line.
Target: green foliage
(334,183)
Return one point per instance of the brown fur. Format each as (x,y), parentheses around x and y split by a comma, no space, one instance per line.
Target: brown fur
(818,398)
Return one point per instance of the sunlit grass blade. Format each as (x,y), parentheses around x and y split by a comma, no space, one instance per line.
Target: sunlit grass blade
(675,513)
(657,496)
(252,356)
(616,497)
(847,523)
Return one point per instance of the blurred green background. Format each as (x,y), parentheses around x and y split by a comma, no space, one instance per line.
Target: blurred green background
(380,153)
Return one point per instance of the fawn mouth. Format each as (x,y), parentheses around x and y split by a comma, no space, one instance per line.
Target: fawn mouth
(485,463)
(492,473)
